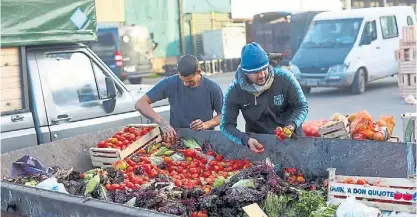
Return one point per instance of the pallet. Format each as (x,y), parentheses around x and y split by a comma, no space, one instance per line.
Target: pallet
(384,199)
(336,130)
(105,157)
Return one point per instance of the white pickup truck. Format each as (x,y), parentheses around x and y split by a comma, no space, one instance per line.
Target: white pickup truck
(51,92)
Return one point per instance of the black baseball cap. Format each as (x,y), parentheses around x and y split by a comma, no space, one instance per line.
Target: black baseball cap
(187,65)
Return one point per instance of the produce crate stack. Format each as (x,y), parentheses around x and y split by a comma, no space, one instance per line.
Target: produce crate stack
(406,57)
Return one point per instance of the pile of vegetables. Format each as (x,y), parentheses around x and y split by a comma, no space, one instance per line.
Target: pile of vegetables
(360,126)
(185,179)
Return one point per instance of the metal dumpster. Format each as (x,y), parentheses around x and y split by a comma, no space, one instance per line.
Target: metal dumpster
(312,155)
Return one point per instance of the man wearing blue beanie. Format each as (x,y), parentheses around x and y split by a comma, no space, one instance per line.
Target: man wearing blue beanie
(267,96)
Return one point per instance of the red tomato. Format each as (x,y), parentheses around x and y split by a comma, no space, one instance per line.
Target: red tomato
(219,157)
(147,168)
(193,170)
(108,187)
(206,174)
(138,180)
(212,163)
(101,144)
(130,185)
(195,175)
(129,169)
(189,153)
(114,187)
(211,153)
(180,169)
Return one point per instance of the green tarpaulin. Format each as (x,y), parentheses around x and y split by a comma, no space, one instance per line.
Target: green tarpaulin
(35,22)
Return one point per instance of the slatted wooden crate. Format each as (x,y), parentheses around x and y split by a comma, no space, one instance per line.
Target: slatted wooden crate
(406,57)
(336,130)
(408,36)
(105,157)
(390,194)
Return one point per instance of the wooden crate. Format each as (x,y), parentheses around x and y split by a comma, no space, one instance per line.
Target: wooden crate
(408,36)
(407,83)
(10,80)
(406,53)
(336,130)
(375,196)
(407,66)
(105,157)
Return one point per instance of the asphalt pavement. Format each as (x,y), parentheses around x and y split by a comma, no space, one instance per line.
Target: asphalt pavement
(381,97)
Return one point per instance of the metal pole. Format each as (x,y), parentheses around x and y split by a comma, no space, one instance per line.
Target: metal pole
(181,25)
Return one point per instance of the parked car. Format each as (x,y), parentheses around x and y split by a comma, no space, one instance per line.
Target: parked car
(351,48)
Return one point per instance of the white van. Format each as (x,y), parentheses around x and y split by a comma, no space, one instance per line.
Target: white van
(351,48)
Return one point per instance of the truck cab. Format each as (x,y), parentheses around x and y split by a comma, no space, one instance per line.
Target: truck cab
(52,92)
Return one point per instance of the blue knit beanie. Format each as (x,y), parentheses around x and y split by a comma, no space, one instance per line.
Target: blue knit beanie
(254,58)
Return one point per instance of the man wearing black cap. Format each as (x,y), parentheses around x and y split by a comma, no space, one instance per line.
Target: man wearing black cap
(192,97)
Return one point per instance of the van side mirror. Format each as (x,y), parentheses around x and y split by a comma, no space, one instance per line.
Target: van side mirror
(110,103)
(366,39)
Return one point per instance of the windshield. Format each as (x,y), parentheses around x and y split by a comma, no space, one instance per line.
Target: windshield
(329,33)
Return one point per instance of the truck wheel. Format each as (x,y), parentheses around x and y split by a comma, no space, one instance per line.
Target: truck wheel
(359,83)
(135,80)
(306,90)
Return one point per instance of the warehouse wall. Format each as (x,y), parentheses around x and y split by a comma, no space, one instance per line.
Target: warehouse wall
(110,11)
(206,6)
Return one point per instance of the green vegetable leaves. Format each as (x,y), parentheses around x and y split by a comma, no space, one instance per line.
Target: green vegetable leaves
(304,204)
(219,182)
(191,143)
(91,185)
(248,183)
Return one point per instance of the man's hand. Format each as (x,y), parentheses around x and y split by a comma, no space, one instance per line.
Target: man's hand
(168,132)
(255,146)
(198,125)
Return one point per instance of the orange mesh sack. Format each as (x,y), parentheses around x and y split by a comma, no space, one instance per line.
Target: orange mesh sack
(362,124)
(388,122)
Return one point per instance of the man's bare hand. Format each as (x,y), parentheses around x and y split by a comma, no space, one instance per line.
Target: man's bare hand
(255,146)
(168,132)
(197,125)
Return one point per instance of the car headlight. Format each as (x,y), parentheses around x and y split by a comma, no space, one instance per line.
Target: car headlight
(126,39)
(342,68)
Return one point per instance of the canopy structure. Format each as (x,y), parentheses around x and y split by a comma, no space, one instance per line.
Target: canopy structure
(37,22)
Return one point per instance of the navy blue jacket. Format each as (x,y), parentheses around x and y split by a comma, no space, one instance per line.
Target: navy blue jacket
(282,104)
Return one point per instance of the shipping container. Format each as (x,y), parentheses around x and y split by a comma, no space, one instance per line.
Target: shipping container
(225,43)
